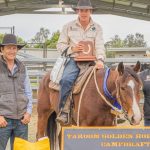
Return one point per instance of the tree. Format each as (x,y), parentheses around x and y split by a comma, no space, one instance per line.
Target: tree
(53,41)
(115,42)
(1,37)
(131,40)
(41,36)
(136,40)
(20,40)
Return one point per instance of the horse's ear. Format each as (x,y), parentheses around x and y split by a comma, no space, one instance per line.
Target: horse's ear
(137,67)
(120,68)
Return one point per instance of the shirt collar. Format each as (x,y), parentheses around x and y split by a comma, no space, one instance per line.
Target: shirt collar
(90,23)
(15,67)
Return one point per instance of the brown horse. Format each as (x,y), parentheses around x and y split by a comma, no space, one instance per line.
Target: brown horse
(123,83)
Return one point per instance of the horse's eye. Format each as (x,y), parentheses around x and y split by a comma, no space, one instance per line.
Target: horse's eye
(122,88)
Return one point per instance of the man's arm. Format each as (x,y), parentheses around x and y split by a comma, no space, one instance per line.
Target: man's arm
(28,92)
(63,41)
(99,45)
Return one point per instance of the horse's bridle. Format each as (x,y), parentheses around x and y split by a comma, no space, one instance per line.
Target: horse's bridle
(118,96)
(103,97)
(119,99)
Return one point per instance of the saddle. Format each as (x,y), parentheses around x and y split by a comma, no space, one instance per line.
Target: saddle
(83,75)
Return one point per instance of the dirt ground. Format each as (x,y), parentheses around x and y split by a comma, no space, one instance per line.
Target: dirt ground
(33,124)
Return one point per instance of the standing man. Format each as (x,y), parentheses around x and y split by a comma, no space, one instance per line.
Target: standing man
(81,29)
(145,77)
(15,93)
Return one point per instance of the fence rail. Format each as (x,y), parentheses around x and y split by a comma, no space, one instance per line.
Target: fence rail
(37,67)
(107,60)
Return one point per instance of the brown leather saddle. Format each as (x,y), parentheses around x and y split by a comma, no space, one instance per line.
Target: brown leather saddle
(83,75)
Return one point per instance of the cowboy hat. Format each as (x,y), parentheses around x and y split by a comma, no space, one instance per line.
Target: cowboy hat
(10,39)
(83,4)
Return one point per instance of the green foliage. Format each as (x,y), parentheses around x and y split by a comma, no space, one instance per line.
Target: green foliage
(110,54)
(20,40)
(53,41)
(42,37)
(115,42)
(1,37)
(131,40)
(136,40)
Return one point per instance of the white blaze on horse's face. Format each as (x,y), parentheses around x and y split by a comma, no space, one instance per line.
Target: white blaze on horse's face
(136,118)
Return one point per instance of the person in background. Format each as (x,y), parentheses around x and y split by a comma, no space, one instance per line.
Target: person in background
(15,93)
(145,77)
(81,29)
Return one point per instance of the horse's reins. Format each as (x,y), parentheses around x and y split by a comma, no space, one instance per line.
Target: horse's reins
(88,79)
(103,97)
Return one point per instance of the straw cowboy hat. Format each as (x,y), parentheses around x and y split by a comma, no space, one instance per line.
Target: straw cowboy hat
(10,39)
(83,4)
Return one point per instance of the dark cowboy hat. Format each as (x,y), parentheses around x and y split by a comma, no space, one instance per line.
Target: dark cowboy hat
(10,39)
(83,4)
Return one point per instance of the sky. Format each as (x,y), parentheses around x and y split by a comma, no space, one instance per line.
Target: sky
(27,25)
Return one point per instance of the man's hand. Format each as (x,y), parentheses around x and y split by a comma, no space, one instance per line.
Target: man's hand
(3,122)
(99,64)
(26,118)
(79,47)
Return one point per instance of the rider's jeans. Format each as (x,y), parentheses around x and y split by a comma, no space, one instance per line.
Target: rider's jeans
(13,129)
(69,77)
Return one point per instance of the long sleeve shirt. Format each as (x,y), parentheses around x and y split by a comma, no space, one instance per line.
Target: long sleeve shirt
(28,90)
(145,77)
(73,32)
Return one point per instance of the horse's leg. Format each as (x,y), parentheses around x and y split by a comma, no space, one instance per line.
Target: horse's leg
(53,132)
(43,107)
(53,129)
(42,123)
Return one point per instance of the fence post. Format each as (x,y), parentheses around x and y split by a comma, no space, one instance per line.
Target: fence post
(44,55)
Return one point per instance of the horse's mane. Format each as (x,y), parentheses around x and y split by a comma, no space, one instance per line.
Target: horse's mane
(130,71)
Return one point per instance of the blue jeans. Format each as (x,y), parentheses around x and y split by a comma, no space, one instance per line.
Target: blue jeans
(146,122)
(69,77)
(13,129)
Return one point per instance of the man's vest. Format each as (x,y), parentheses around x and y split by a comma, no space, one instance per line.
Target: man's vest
(13,102)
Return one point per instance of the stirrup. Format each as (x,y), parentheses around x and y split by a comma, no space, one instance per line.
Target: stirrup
(63,118)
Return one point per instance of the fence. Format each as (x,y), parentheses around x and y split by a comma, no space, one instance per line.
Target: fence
(38,67)
(44,64)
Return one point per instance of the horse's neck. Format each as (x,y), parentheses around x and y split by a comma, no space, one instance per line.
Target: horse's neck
(111,82)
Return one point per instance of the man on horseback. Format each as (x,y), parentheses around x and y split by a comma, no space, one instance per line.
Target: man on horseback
(81,29)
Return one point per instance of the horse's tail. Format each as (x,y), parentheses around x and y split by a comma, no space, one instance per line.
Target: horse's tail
(52,132)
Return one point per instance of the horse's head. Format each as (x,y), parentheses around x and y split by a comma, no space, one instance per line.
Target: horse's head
(128,92)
